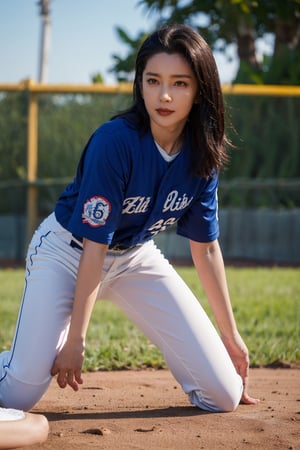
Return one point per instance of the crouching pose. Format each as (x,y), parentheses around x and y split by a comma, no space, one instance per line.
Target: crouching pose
(153,166)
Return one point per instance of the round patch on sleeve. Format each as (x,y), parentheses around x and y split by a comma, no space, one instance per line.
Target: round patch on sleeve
(96,211)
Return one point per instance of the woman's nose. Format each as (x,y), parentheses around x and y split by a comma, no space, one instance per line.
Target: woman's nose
(165,96)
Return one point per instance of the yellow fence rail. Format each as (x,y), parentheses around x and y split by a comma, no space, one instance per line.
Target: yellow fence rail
(126,88)
(34,89)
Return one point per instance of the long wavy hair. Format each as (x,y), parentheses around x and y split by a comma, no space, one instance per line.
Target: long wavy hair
(206,119)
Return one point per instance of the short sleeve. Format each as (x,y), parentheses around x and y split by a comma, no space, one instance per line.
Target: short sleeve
(101,192)
(200,223)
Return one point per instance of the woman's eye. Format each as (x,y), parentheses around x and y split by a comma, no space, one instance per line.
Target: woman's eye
(180,83)
(152,81)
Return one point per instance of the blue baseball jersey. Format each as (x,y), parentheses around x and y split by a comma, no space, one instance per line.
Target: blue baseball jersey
(125,192)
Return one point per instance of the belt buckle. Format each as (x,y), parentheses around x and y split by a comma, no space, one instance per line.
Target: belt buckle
(119,248)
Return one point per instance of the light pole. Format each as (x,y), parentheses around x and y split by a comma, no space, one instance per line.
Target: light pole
(32,139)
(45,40)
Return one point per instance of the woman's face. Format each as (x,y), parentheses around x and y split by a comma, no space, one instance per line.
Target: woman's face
(169,88)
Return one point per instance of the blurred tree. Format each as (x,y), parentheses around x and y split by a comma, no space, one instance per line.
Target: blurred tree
(240,22)
(97,78)
(123,68)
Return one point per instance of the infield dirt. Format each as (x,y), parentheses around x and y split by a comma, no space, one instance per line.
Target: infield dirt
(147,410)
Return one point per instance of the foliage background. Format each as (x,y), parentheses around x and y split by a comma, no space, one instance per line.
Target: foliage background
(265,131)
(231,23)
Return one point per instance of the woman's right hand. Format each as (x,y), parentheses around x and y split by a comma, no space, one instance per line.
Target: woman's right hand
(68,365)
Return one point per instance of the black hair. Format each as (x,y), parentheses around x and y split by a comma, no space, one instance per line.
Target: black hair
(206,119)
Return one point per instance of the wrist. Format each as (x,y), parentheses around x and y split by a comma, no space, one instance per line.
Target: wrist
(230,335)
(76,340)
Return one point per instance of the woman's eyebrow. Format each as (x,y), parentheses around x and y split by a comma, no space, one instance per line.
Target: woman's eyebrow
(154,74)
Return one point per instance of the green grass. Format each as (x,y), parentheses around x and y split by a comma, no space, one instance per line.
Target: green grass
(266,303)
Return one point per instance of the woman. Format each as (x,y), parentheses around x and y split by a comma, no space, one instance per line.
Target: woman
(151,167)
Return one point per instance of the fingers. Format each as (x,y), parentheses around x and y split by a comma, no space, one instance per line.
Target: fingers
(62,378)
(54,370)
(243,370)
(67,377)
(240,358)
(78,377)
(248,400)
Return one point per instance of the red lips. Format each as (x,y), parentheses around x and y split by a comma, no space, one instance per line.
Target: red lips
(164,112)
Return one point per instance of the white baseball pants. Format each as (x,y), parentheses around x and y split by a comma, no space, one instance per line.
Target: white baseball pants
(147,288)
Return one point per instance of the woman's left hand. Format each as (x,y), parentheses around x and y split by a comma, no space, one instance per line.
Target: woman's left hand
(238,353)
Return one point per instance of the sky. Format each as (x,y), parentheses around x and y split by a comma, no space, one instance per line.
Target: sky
(82,39)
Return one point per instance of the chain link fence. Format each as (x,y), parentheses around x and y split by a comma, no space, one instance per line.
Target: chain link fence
(259,193)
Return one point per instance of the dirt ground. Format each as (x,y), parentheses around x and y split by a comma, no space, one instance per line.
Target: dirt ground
(147,410)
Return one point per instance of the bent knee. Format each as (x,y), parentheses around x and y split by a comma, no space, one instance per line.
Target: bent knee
(220,400)
(230,402)
(21,395)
